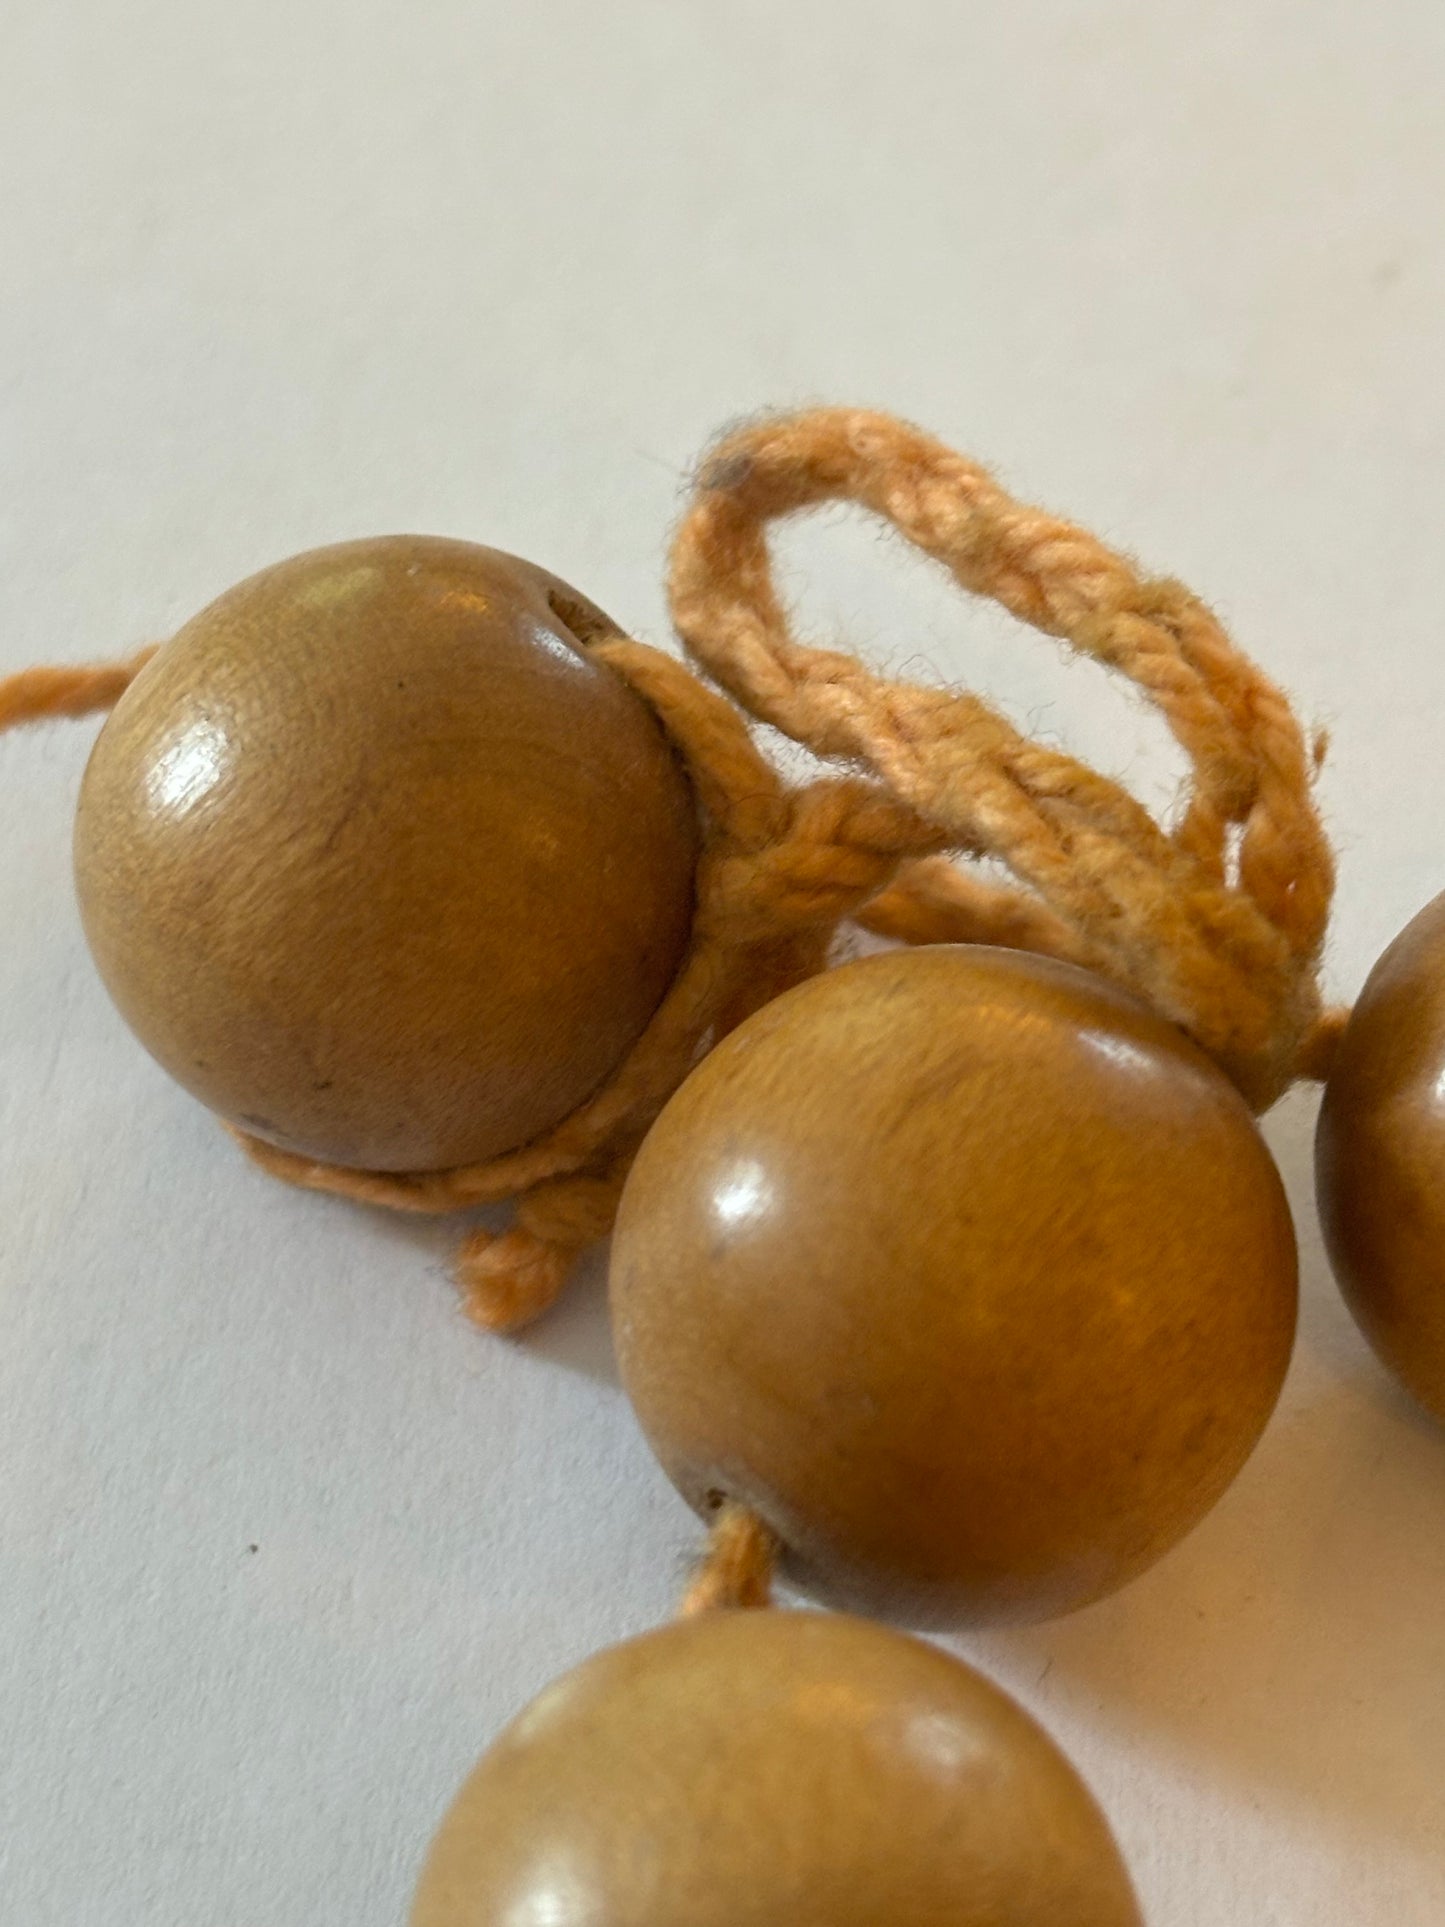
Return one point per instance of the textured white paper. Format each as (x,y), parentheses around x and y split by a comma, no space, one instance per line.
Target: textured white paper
(282,1540)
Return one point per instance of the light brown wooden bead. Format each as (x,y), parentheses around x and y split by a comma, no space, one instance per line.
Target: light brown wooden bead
(378,863)
(770,1769)
(1380,1158)
(967,1273)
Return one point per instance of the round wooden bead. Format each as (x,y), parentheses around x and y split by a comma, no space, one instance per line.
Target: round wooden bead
(772,1769)
(968,1274)
(1380,1158)
(379,863)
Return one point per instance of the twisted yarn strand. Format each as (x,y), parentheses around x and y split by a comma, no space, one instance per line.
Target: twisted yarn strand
(1219,922)
(736,1570)
(38,695)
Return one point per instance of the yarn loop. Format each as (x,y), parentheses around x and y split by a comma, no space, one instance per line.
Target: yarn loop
(1218,923)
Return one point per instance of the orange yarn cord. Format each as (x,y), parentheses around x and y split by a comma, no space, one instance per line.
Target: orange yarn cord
(737,1568)
(1218,922)
(37,695)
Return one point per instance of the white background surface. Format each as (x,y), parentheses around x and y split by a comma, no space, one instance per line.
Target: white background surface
(284,1541)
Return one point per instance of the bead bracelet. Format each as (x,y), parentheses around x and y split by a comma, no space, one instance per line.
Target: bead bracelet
(954,1281)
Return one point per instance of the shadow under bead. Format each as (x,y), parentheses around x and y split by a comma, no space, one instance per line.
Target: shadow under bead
(774,1769)
(969,1275)
(379,864)
(1380,1158)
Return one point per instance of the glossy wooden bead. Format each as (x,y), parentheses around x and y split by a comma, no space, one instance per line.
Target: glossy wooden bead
(967,1273)
(770,1769)
(1380,1158)
(378,863)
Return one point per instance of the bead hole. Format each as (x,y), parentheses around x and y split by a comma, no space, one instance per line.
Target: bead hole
(587,625)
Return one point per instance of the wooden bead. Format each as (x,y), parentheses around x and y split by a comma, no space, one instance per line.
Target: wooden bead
(1380,1158)
(378,863)
(772,1769)
(968,1274)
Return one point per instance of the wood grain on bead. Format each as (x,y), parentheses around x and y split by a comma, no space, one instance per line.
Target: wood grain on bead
(970,1275)
(1380,1158)
(775,1769)
(378,863)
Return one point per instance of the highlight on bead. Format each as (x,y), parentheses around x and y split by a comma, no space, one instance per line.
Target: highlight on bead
(1217,921)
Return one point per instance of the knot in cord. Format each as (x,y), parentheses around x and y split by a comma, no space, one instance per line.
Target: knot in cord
(1216,920)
